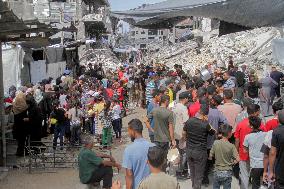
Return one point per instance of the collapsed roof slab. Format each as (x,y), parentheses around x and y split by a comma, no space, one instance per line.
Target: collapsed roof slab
(248,13)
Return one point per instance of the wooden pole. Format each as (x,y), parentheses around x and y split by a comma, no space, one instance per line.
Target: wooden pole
(2,111)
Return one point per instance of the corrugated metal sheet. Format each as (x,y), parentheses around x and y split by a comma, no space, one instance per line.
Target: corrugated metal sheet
(249,13)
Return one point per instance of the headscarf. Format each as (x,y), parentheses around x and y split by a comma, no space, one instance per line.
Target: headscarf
(38,96)
(20,103)
(12,91)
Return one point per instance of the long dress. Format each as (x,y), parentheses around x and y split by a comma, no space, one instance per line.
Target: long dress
(265,98)
(20,131)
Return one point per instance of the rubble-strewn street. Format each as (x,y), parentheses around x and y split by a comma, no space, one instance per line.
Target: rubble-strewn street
(144,94)
(68,178)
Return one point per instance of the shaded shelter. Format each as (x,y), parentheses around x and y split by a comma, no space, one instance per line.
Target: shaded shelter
(245,13)
(13,29)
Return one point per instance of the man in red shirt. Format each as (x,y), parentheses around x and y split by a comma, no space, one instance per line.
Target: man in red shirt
(194,108)
(273,123)
(120,74)
(242,130)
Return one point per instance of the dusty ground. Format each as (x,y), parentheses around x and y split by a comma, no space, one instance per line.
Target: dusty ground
(68,178)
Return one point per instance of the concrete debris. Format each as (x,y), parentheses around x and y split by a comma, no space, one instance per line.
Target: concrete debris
(101,56)
(251,47)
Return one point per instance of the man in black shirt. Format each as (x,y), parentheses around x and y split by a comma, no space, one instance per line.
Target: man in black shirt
(276,76)
(240,83)
(252,89)
(59,130)
(277,153)
(196,131)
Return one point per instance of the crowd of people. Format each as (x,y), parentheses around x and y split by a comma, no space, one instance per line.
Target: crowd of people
(93,103)
(232,121)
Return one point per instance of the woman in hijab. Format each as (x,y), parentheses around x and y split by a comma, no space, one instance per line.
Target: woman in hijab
(12,91)
(20,121)
(265,97)
(38,96)
(35,116)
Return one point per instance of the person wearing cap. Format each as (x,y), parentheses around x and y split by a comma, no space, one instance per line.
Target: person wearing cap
(135,155)
(180,117)
(93,166)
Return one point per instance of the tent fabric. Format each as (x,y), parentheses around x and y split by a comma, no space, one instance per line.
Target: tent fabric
(249,13)
(40,70)
(277,51)
(55,70)
(54,54)
(12,64)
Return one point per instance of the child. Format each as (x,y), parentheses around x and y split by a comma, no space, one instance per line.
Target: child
(158,179)
(105,117)
(252,144)
(116,119)
(226,156)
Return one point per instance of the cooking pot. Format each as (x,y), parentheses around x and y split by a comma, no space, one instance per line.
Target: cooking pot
(205,75)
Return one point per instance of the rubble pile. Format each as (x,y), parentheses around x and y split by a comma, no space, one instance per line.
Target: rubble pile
(252,47)
(101,56)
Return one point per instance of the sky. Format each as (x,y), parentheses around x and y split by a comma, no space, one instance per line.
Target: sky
(120,5)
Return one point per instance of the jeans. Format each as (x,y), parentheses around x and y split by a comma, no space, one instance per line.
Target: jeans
(75,133)
(59,132)
(117,126)
(244,174)
(103,173)
(256,175)
(197,160)
(183,168)
(222,178)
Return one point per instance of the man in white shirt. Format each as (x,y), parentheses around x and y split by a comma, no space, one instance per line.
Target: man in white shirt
(180,117)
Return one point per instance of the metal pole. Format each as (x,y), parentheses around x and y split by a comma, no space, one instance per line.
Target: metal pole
(2,110)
